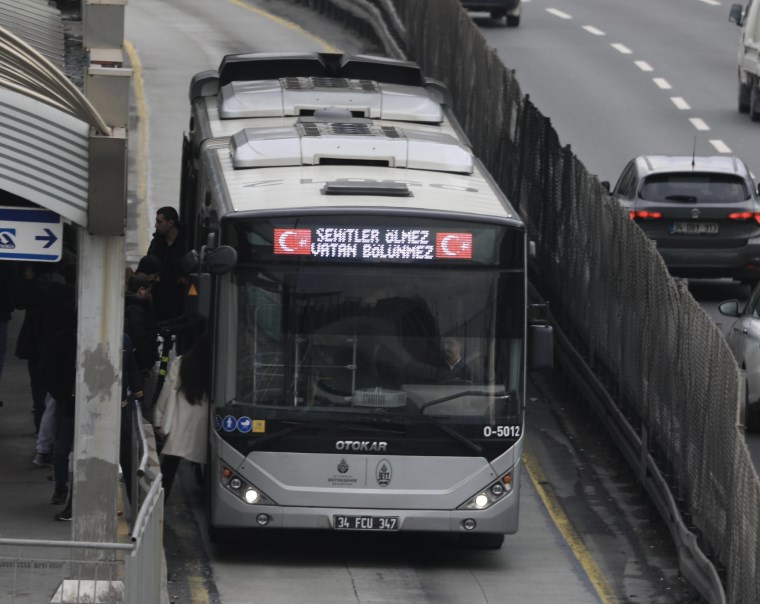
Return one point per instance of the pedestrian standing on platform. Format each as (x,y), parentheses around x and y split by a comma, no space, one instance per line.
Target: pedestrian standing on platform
(169,246)
(33,287)
(181,414)
(140,322)
(58,366)
(9,275)
(140,326)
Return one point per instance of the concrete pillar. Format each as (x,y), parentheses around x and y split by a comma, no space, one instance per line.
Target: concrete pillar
(98,396)
(101,281)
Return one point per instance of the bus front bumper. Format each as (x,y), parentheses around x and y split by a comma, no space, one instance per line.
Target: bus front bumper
(501,517)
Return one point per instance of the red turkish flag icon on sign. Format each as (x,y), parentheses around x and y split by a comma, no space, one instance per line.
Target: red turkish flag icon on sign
(453,245)
(292,241)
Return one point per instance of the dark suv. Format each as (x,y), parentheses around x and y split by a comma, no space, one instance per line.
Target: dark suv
(511,9)
(703,213)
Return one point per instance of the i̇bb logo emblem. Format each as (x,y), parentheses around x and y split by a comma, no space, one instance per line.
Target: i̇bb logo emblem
(453,245)
(292,241)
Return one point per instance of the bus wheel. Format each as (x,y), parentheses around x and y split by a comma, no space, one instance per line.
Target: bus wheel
(482,540)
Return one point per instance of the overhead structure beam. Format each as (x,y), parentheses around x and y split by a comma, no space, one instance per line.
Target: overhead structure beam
(28,72)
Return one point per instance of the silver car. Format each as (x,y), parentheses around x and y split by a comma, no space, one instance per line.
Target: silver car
(744,340)
(499,9)
(703,213)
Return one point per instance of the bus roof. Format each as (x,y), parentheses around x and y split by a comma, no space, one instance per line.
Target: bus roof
(288,132)
(303,188)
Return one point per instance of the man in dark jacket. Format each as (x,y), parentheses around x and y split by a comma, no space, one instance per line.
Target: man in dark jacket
(169,246)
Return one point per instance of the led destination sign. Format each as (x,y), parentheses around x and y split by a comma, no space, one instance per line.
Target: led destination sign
(375,243)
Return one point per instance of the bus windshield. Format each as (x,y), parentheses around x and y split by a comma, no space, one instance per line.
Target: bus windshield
(437,341)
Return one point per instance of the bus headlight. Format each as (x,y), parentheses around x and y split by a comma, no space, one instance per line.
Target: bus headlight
(490,495)
(243,489)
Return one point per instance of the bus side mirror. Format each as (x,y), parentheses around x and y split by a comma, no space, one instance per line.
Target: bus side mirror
(541,346)
(540,337)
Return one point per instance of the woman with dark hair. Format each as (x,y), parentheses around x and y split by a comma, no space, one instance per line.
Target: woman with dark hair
(181,414)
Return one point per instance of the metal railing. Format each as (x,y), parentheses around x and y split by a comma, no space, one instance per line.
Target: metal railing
(37,571)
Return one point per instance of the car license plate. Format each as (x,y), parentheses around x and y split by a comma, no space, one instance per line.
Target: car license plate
(366,523)
(694,228)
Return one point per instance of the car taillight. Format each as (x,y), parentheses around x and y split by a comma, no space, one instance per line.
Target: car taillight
(745,216)
(644,215)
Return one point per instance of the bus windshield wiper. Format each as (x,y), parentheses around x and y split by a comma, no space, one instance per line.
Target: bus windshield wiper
(451,397)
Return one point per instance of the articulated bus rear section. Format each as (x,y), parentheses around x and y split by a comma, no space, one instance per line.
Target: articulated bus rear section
(365,281)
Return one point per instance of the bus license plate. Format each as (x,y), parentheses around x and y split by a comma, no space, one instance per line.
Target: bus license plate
(366,523)
(694,228)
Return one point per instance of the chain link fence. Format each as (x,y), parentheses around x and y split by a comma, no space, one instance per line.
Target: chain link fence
(667,368)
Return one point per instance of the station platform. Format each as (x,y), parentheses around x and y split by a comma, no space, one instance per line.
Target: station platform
(25,508)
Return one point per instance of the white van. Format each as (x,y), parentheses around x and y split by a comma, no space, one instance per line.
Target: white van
(748,18)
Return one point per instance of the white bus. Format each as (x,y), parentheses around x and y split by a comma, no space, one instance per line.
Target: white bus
(370,334)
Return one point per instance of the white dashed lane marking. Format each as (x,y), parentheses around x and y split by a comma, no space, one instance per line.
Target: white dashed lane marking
(621,48)
(720,146)
(662,83)
(593,30)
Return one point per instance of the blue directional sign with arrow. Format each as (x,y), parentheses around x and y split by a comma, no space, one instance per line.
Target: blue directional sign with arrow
(33,234)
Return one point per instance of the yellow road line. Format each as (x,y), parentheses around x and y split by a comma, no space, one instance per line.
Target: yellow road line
(198,591)
(566,528)
(571,536)
(287,24)
(141,161)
